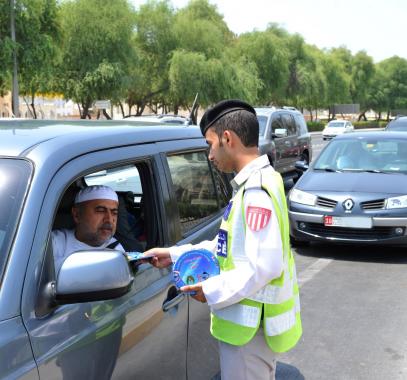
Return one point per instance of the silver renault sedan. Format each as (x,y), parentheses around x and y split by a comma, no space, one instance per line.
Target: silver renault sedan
(355,191)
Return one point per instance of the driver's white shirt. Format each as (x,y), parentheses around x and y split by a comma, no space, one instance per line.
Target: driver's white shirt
(64,243)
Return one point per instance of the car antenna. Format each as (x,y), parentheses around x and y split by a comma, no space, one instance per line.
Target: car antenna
(193,115)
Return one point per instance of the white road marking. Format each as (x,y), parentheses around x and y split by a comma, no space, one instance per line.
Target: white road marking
(308,273)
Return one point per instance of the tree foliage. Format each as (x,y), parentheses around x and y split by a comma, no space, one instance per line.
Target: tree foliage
(97,49)
(158,55)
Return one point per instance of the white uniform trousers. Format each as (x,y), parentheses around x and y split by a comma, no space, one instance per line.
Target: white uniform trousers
(252,361)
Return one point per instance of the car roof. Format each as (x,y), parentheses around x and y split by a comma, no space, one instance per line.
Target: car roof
(22,137)
(269,110)
(382,135)
(158,118)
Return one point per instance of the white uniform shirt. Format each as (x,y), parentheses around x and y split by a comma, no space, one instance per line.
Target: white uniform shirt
(263,249)
(64,243)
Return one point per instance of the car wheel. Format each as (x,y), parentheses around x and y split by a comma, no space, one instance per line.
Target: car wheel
(304,157)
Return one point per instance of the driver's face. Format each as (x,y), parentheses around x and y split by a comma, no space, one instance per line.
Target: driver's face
(95,220)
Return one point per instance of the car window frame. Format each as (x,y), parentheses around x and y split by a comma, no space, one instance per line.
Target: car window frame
(220,208)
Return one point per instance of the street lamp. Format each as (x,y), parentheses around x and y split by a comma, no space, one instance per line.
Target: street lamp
(15,102)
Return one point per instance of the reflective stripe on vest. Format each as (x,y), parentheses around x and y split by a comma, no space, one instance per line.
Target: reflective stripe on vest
(273,294)
(282,322)
(243,315)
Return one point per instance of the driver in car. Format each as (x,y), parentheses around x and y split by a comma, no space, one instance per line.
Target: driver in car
(94,212)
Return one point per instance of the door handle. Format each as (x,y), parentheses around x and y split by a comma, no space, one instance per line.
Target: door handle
(168,304)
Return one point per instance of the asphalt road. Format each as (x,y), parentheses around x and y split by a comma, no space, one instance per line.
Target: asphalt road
(354,312)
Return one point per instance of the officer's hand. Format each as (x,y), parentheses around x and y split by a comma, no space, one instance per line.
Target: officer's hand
(198,293)
(161,259)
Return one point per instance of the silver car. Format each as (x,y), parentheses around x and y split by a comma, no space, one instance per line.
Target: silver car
(99,317)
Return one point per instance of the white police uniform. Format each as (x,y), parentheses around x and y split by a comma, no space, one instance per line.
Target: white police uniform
(264,253)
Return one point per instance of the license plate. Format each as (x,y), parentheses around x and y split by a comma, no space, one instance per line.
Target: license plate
(347,221)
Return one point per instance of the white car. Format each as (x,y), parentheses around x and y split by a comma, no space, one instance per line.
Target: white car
(160,118)
(336,127)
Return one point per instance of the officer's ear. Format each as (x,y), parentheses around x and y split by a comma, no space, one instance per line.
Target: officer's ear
(227,136)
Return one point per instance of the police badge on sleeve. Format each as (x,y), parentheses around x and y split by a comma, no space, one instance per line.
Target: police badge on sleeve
(257,217)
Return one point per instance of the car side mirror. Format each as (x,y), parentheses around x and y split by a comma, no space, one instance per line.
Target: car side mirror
(97,275)
(301,165)
(280,132)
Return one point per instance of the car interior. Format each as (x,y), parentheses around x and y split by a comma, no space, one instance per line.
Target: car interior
(136,230)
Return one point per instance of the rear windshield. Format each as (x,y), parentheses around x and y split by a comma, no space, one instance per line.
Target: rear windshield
(14,180)
(398,125)
(336,124)
(262,125)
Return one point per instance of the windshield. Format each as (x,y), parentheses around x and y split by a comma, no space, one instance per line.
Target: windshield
(399,125)
(14,181)
(262,125)
(377,155)
(336,124)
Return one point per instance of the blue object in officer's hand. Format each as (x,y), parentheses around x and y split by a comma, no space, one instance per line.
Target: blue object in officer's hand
(195,266)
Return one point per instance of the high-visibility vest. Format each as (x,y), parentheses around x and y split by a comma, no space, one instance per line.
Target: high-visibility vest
(237,324)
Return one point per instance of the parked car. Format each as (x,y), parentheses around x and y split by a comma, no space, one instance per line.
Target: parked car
(335,128)
(354,192)
(397,124)
(98,318)
(160,118)
(284,138)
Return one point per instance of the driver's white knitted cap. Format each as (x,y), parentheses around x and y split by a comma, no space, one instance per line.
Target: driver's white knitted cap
(96,192)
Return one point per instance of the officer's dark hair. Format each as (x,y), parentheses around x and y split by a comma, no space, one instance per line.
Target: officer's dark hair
(241,122)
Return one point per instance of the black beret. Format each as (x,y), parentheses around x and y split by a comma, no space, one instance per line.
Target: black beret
(220,109)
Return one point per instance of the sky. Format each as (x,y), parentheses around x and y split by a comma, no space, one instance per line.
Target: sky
(375,26)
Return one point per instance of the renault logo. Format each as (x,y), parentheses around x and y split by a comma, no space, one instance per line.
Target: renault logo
(348,204)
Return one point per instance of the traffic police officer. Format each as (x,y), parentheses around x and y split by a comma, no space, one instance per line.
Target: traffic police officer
(254,302)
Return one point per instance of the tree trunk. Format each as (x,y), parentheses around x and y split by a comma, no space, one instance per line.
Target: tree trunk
(80,112)
(388,115)
(85,107)
(107,116)
(121,108)
(140,109)
(176,110)
(28,106)
(362,115)
(33,105)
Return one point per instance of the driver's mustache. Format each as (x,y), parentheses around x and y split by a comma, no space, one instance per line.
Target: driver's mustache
(107,226)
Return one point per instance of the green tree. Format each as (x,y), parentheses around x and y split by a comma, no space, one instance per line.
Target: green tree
(6,47)
(155,40)
(97,50)
(200,28)
(38,35)
(362,72)
(312,81)
(270,56)
(337,81)
(394,72)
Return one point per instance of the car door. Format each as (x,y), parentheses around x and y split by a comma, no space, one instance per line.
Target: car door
(290,142)
(201,194)
(123,338)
